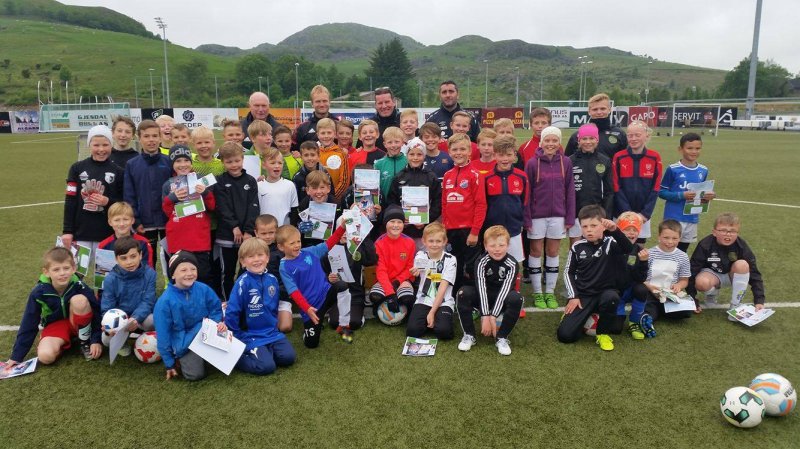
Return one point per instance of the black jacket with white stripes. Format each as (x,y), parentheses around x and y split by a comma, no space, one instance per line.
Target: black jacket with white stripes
(494,279)
(594,267)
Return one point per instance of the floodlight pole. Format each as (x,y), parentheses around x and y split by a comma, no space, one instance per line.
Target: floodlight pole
(297,89)
(259,83)
(216,90)
(152,98)
(516,92)
(135,91)
(751,82)
(486,86)
(163,27)
(647,86)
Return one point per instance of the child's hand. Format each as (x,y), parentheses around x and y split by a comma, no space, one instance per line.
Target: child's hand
(675,288)
(132,324)
(689,195)
(66,240)
(644,255)
(312,313)
(759,306)
(9,365)
(96,350)
(609,225)
(261,178)
(333,278)
(572,304)
(488,326)
(246,236)
(172,373)
(237,236)
(182,193)
(377,208)
(414,271)
(472,239)
(430,318)
(200,188)
(708,196)
(221,327)
(296,154)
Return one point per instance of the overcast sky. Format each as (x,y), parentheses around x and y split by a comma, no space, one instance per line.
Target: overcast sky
(713,33)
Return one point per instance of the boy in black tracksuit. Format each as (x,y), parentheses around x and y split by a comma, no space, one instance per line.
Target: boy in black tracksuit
(414,175)
(365,256)
(237,208)
(589,276)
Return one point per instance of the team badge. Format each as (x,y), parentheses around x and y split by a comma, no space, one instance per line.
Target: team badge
(271,290)
(612,139)
(600,168)
(110,177)
(732,257)
(463,184)
(334,162)
(403,256)
(84,176)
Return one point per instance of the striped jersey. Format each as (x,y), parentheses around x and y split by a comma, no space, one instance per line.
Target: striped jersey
(666,268)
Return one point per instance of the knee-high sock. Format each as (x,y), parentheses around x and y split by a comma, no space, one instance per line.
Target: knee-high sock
(535,265)
(550,273)
(738,287)
(84,325)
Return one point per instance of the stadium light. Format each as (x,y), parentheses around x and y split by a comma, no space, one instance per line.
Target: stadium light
(163,26)
(516,94)
(581,59)
(647,86)
(486,86)
(259,83)
(297,89)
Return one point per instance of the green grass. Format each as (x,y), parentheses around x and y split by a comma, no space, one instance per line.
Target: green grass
(658,393)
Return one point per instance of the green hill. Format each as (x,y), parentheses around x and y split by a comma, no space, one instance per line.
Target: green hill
(90,17)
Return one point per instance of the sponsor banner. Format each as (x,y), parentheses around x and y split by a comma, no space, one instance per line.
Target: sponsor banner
(561,117)
(285,116)
(152,114)
(5,123)
(24,121)
(195,117)
(490,115)
(136,116)
(355,115)
(221,114)
(700,116)
(647,114)
(580,116)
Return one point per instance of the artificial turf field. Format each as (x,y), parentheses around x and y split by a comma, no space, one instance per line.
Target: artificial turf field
(662,392)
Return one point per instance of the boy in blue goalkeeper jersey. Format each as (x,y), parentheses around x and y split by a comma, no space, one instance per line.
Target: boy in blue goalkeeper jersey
(674,188)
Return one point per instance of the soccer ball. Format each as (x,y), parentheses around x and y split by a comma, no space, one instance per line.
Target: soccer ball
(590,326)
(742,407)
(146,349)
(390,318)
(778,393)
(114,320)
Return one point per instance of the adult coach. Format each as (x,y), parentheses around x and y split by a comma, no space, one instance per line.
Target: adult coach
(612,138)
(307,131)
(448,94)
(259,110)
(386,113)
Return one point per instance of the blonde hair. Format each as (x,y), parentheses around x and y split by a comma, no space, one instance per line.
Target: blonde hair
(639,124)
(319,89)
(120,208)
(630,216)
(229,150)
(202,132)
(503,123)
(259,128)
(284,233)
(365,123)
(460,114)
(434,228)
(726,218)
(505,145)
(392,132)
(409,113)
(457,138)
(271,153)
(597,98)
(326,123)
(496,232)
(251,247)
(164,118)
(317,178)
(486,133)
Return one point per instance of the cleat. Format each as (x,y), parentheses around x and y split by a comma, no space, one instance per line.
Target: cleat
(605,342)
(550,300)
(636,331)
(646,326)
(503,346)
(467,342)
(539,301)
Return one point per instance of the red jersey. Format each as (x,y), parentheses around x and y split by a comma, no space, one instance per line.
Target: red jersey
(528,149)
(484,168)
(395,260)
(191,233)
(463,199)
(144,244)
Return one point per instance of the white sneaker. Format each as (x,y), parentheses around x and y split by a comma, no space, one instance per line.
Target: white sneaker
(503,346)
(467,342)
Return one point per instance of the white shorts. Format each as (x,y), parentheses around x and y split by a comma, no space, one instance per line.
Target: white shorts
(644,233)
(724,279)
(550,227)
(284,306)
(688,232)
(515,248)
(575,230)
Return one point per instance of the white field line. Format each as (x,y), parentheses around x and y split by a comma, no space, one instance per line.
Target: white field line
(30,205)
(772,305)
(790,206)
(49,139)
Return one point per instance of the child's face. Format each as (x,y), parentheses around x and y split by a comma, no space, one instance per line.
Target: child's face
(460,153)
(123,135)
(409,126)
(131,260)
(150,138)
(431,141)
(539,123)
(460,125)
(59,273)
(233,134)
(668,239)
(598,110)
(255,263)
(182,166)
(121,224)
(368,135)
(416,157)
(496,247)
(325,136)
(283,142)
(262,140)
(435,243)
(550,144)
(204,147)
(587,144)
(394,228)
(637,137)
(266,232)
(690,151)
(345,136)
(505,160)
(180,136)
(185,275)
(319,194)
(233,165)
(165,129)
(393,146)
(486,148)
(631,233)
(726,234)
(504,131)
(310,158)
(274,168)
(592,229)
(291,247)
(100,148)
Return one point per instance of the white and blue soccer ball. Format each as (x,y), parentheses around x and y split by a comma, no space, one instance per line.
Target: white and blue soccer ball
(742,407)
(777,392)
(390,318)
(114,320)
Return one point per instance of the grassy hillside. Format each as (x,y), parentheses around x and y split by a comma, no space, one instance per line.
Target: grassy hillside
(90,17)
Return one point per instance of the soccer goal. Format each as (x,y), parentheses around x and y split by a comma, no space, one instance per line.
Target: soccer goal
(697,117)
(79,117)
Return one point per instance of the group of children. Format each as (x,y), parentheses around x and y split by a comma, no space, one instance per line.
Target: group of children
(254,254)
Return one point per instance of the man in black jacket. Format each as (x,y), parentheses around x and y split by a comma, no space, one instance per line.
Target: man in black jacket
(386,113)
(448,93)
(612,138)
(259,110)
(307,131)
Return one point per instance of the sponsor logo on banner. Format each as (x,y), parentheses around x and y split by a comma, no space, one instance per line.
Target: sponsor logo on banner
(152,114)
(60,121)
(703,116)
(619,117)
(24,121)
(195,117)
(647,114)
(491,115)
(5,123)
(560,117)
(87,119)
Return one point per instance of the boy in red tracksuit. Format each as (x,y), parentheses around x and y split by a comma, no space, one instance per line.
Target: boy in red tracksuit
(193,232)
(540,119)
(463,208)
(395,260)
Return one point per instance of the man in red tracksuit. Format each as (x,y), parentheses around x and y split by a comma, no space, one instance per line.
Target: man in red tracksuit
(463,209)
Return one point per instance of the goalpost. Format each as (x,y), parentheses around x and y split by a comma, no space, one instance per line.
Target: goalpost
(690,120)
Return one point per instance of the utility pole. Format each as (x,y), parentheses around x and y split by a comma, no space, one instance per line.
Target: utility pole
(751,82)
(163,26)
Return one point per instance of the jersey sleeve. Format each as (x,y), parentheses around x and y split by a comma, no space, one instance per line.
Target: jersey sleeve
(449,270)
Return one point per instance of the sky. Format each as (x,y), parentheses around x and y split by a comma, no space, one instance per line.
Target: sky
(712,33)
